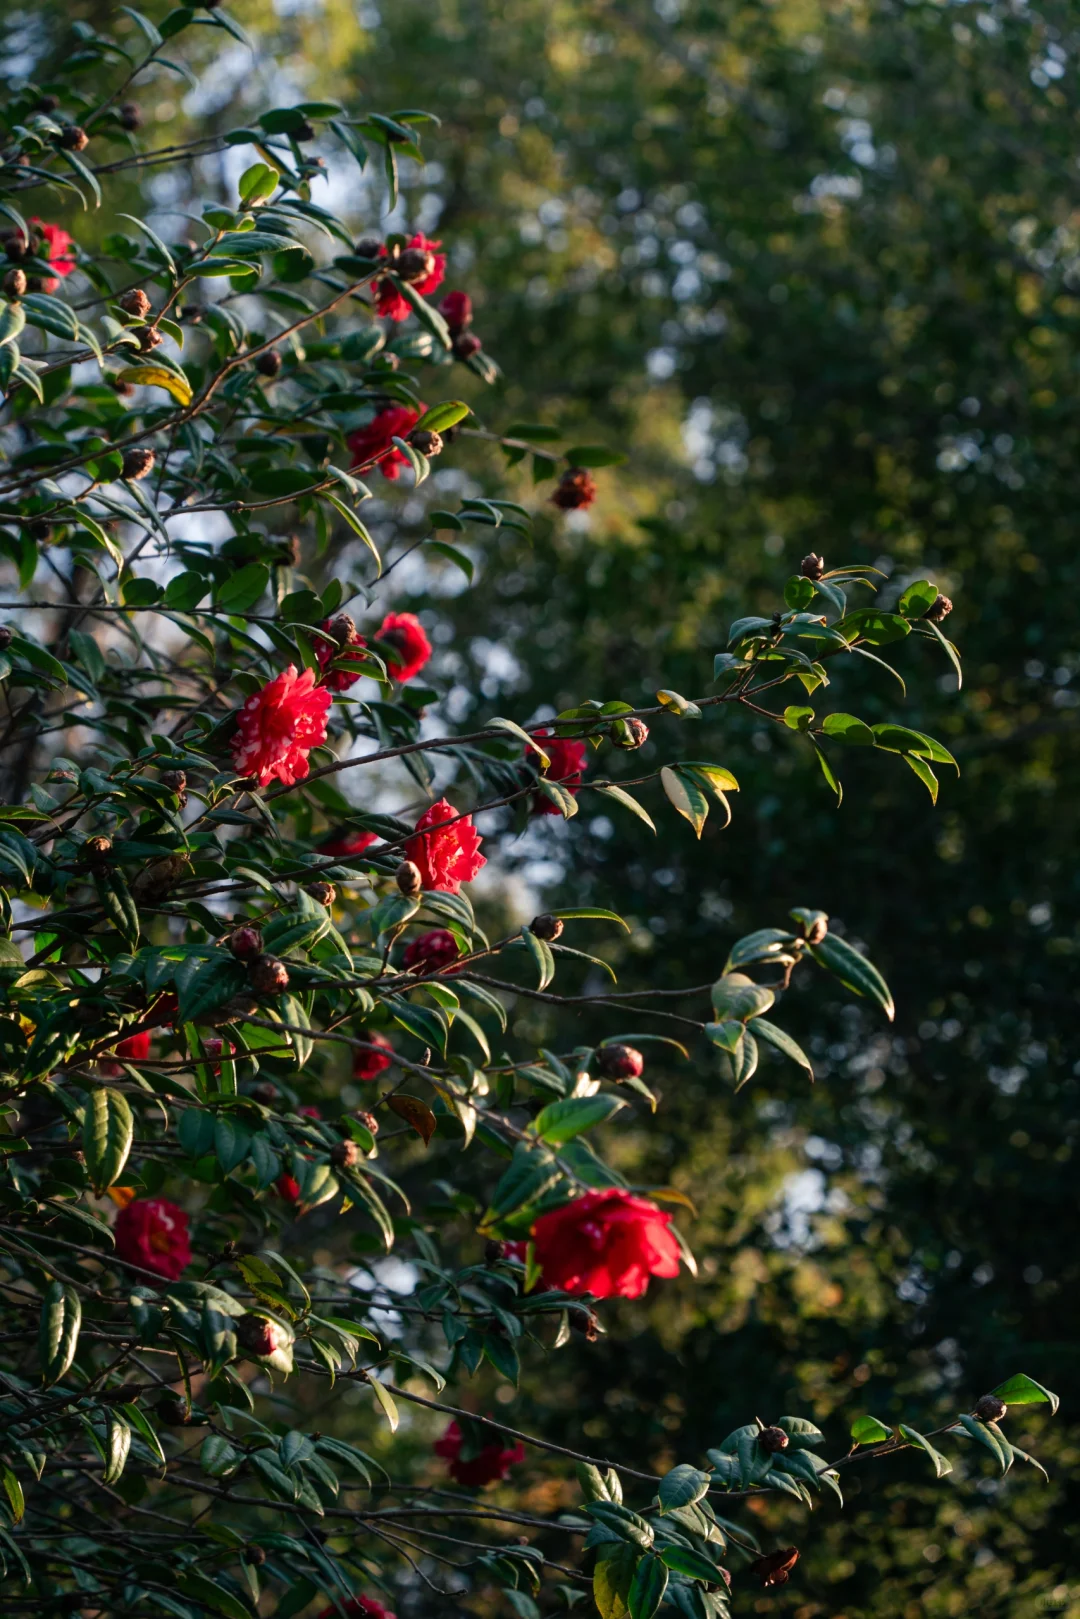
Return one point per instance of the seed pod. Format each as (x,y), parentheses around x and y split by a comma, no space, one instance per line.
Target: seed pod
(370,1121)
(96,851)
(547,927)
(368,247)
(16,245)
(255,1556)
(408,879)
(493,1251)
(414,263)
(73,138)
(304,131)
(130,115)
(149,338)
(466,344)
(245,943)
(773,1439)
(990,1408)
(15,284)
(346,1155)
(176,781)
(619,1062)
(138,464)
(325,893)
(135,303)
(812,566)
(268,363)
(268,976)
(427,443)
(940,608)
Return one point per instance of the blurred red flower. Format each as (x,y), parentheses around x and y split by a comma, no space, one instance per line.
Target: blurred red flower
(433,950)
(405,633)
(349,843)
(153,1233)
(279,725)
(134,1049)
(370,1064)
(374,442)
(568,761)
(59,244)
(607,1243)
(359,1608)
(392,304)
(456,310)
(492,1463)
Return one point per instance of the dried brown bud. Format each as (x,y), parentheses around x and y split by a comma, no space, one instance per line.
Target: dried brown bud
(73,138)
(160,877)
(324,893)
(575,488)
(629,734)
(812,566)
(414,263)
(15,283)
(938,609)
(176,781)
(255,1556)
(40,530)
(990,1408)
(346,1155)
(619,1062)
(426,442)
(172,1410)
(149,338)
(46,103)
(258,1336)
(96,851)
(7,635)
(268,976)
(408,879)
(138,464)
(303,131)
(493,1251)
(547,927)
(245,942)
(342,630)
(135,303)
(368,247)
(124,389)
(369,1121)
(773,1439)
(268,363)
(287,553)
(130,115)
(775,1567)
(588,1325)
(814,931)
(16,246)
(466,344)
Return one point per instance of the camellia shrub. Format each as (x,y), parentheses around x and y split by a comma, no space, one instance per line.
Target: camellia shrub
(253,1034)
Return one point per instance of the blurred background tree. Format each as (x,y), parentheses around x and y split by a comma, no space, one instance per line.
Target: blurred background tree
(815,269)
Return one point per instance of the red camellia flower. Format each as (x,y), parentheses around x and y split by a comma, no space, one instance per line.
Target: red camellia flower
(287,1187)
(136,1048)
(341,636)
(370,1064)
(390,303)
(153,1233)
(412,649)
(490,1465)
(360,1608)
(59,244)
(606,1243)
(574,489)
(432,950)
(568,761)
(349,843)
(456,310)
(278,726)
(375,441)
(447,856)
(309,1111)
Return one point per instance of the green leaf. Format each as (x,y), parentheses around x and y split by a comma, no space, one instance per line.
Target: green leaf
(690,1564)
(829,774)
(798,719)
(921,769)
(869,1431)
(782,1041)
(386,1401)
(522,735)
(440,417)
(736,996)
(107,1136)
(848,728)
(612,1579)
(647,1587)
(117,1446)
(14,1492)
(242,590)
(989,1435)
(211,1595)
(12,321)
(918,598)
(622,797)
(532,1170)
(257,183)
(686,796)
(682,1486)
(1023,1390)
(540,951)
(58,1333)
(594,455)
(560,1122)
(942,1465)
(853,971)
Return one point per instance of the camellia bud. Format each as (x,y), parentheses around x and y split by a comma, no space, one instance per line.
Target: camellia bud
(547,927)
(73,138)
(629,734)
(466,344)
(575,488)
(816,931)
(130,114)
(40,530)
(149,338)
(176,781)
(124,389)
(46,103)
(7,635)
(135,303)
(258,1336)
(990,1408)
(775,1567)
(369,1121)
(414,263)
(16,245)
(938,609)
(588,1325)
(408,879)
(773,1439)
(619,1062)
(324,893)
(268,976)
(96,851)
(426,442)
(15,283)
(173,1410)
(138,464)
(493,1251)
(254,1555)
(304,131)
(368,247)
(268,364)
(245,942)
(812,566)
(346,1155)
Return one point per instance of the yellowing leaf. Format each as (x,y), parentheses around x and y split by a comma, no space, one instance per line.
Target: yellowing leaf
(156,376)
